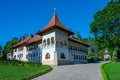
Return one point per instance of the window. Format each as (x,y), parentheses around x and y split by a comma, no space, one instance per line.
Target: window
(47,56)
(48,41)
(52,40)
(20,48)
(57,42)
(61,43)
(62,56)
(44,42)
(14,56)
(15,50)
(27,56)
(36,54)
(65,43)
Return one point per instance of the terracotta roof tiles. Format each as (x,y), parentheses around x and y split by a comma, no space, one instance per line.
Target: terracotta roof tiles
(34,39)
(54,22)
(28,41)
(72,38)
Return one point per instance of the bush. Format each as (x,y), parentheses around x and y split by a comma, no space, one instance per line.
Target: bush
(90,60)
(19,63)
(114,57)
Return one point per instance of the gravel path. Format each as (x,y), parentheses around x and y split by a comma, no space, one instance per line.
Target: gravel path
(73,72)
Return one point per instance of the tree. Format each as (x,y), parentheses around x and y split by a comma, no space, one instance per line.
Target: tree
(90,54)
(9,44)
(0,50)
(78,35)
(114,57)
(106,26)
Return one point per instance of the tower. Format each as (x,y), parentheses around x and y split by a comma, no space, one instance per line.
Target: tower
(55,42)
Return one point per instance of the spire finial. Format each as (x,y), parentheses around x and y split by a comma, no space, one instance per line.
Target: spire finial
(54,9)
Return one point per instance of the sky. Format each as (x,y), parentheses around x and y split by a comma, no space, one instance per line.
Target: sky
(19,17)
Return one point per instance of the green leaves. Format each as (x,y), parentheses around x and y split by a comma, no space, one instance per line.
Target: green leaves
(79,36)
(9,44)
(106,26)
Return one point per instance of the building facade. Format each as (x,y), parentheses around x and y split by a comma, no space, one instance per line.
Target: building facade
(53,45)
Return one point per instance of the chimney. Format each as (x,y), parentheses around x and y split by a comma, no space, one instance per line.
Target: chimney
(32,36)
(23,38)
(71,35)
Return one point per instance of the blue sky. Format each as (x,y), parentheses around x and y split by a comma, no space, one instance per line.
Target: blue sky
(19,17)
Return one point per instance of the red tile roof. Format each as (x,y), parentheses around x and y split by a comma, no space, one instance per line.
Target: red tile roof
(35,39)
(55,23)
(72,38)
(23,42)
(28,41)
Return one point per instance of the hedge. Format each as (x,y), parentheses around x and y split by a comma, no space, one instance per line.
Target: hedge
(19,63)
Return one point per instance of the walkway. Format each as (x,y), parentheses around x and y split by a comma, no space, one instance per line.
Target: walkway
(73,72)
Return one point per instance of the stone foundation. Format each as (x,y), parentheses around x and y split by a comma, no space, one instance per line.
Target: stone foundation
(49,62)
(63,62)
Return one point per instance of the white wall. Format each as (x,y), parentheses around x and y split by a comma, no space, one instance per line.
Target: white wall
(48,49)
(61,36)
(24,52)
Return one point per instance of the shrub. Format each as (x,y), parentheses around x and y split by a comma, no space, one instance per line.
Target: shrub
(114,57)
(19,63)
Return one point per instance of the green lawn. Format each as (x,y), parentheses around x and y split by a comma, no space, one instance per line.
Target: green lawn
(21,72)
(112,70)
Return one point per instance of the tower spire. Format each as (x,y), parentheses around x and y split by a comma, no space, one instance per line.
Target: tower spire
(54,9)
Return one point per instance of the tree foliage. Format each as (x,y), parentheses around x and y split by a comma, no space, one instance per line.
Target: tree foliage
(9,44)
(78,35)
(106,26)
(0,48)
(114,57)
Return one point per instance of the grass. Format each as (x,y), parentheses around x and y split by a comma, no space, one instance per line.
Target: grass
(103,72)
(8,72)
(112,70)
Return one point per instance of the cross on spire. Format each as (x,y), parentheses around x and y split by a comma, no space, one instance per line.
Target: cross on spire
(54,9)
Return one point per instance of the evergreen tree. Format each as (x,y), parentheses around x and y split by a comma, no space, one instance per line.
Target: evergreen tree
(0,50)
(114,57)
(79,36)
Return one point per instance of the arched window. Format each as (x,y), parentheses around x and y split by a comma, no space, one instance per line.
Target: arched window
(52,40)
(62,56)
(47,56)
(61,43)
(65,42)
(44,41)
(48,41)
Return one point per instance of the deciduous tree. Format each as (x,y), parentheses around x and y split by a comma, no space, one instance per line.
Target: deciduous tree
(106,26)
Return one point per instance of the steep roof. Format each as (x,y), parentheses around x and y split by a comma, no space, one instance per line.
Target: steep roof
(72,38)
(55,23)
